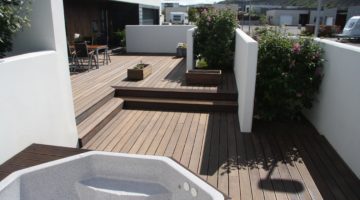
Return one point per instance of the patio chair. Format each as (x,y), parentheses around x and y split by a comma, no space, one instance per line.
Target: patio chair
(82,53)
(73,60)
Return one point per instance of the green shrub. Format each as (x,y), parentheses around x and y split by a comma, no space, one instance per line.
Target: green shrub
(214,38)
(13,17)
(289,74)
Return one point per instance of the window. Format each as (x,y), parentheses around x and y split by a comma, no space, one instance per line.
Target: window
(177,17)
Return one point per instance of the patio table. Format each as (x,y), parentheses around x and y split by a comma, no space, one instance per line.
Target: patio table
(97,48)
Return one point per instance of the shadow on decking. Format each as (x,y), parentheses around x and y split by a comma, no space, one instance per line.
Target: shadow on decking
(276,157)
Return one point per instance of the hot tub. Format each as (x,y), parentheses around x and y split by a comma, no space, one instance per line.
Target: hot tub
(103,175)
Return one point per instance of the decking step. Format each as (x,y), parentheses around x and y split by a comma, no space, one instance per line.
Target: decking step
(175,93)
(93,108)
(179,105)
(98,119)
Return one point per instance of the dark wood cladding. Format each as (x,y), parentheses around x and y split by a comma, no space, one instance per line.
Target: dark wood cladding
(98,19)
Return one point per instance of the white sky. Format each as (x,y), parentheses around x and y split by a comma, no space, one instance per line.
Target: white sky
(187,2)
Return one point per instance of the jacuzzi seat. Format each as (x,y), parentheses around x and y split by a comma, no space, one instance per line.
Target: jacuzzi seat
(105,188)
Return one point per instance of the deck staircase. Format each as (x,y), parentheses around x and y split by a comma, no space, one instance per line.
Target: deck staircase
(95,118)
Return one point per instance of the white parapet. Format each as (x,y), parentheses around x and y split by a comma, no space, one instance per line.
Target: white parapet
(155,38)
(245,64)
(190,48)
(36,104)
(336,110)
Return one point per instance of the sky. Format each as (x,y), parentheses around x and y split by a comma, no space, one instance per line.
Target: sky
(187,2)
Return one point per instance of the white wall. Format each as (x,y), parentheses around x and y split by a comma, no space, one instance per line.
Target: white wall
(154,38)
(245,64)
(36,99)
(336,112)
(190,48)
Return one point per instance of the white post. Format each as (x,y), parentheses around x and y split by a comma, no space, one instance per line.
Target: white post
(316,33)
(190,48)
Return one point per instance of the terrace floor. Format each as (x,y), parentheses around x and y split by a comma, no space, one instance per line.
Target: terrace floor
(167,72)
(277,161)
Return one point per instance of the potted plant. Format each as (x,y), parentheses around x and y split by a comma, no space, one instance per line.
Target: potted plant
(139,72)
(181,50)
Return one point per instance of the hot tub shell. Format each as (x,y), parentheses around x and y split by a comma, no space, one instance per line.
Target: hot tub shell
(104,175)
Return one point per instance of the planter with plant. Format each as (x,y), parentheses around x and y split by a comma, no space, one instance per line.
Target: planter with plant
(214,38)
(289,74)
(181,50)
(139,72)
(214,41)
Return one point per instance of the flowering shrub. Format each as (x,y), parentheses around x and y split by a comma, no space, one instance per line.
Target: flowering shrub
(289,74)
(214,38)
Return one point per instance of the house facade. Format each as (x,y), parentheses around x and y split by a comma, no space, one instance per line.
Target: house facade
(98,19)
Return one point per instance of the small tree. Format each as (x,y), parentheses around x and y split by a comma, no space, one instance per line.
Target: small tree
(214,38)
(13,17)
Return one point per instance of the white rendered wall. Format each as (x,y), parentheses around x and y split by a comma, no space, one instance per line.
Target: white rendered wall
(245,64)
(36,99)
(154,38)
(336,112)
(190,48)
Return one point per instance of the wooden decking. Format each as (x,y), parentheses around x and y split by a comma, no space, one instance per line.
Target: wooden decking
(168,72)
(277,161)
(36,154)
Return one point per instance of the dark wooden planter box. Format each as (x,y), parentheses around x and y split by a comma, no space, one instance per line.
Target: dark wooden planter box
(203,77)
(139,74)
(180,52)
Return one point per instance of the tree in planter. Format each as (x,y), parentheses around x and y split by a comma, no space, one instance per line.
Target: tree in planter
(13,17)
(289,74)
(214,38)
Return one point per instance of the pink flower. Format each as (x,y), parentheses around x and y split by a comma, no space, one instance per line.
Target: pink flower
(296,48)
(299,94)
(209,19)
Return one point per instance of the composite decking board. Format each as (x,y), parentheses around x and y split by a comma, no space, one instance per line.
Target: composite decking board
(285,175)
(339,179)
(155,133)
(158,139)
(190,140)
(271,165)
(195,159)
(289,156)
(130,127)
(141,130)
(172,145)
(105,133)
(243,166)
(146,132)
(344,170)
(312,168)
(223,166)
(234,181)
(212,171)
(325,174)
(266,183)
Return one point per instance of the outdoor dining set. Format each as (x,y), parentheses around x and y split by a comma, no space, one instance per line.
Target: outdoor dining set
(86,56)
